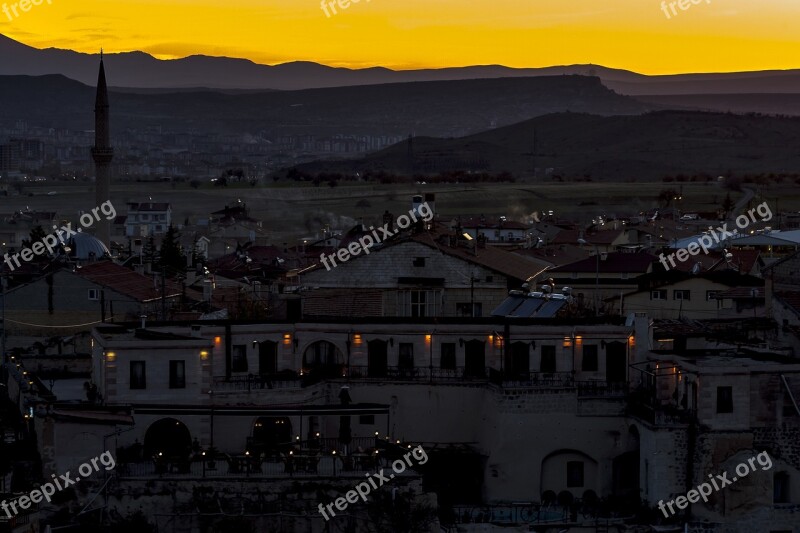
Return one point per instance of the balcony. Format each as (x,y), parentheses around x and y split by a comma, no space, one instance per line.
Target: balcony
(247,467)
(314,458)
(422,374)
(539,380)
(260,382)
(602,389)
(644,406)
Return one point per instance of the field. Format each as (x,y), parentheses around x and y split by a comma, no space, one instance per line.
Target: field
(291,212)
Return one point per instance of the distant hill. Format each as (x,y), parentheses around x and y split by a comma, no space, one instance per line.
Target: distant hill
(768,104)
(441,108)
(141,70)
(647,146)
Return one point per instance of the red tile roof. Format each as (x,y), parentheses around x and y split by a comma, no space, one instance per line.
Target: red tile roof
(125,281)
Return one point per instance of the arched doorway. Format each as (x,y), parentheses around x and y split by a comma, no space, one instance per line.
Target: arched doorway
(323,358)
(169,437)
(271,434)
(616,362)
(625,468)
(377,358)
(518,361)
(475,359)
(570,471)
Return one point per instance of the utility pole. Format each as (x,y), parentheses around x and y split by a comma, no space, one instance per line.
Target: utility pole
(3,340)
(163,293)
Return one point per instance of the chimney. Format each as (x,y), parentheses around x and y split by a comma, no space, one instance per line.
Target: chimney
(208,290)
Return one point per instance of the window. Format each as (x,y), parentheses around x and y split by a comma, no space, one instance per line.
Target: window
(239,359)
(418,303)
(589,363)
(548,363)
(406,360)
(177,374)
(466,309)
(780,485)
(681,294)
(366,420)
(711,295)
(575,474)
(94,294)
(660,294)
(419,262)
(724,399)
(138,375)
(448,356)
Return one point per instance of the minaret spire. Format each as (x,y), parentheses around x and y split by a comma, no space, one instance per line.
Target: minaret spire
(102,153)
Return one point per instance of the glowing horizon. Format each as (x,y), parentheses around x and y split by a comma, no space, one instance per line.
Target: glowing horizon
(636,35)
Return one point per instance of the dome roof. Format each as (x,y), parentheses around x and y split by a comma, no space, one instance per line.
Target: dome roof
(84,244)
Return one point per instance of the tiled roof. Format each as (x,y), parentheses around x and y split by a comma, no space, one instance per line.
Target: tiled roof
(741,293)
(493,223)
(125,281)
(343,303)
(638,263)
(744,260)
(495,259)
(148,206)
(571,236)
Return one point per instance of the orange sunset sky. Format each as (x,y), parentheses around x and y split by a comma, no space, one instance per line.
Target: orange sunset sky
(712,36)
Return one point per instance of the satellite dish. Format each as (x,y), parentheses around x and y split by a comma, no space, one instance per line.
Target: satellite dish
(696,269)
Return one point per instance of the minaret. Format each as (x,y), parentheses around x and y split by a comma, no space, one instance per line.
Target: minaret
(102,153)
